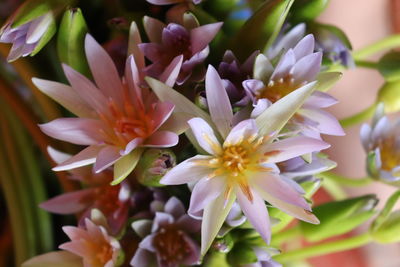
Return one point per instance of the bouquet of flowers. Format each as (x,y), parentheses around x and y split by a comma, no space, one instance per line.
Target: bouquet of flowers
(192,133)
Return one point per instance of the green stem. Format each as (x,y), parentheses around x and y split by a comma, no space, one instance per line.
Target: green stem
(351,182)
(366,64)
(359,117)
(334,189)
(286,235)
(321,249)
(384,44)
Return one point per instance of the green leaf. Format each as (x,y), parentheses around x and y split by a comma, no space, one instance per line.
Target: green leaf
(389,66)
(242,254)
(339,217)
(71,40)
(305,10)
(385,212)
(261,29)
(389,230)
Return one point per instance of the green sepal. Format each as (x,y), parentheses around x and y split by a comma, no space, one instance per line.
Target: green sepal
(51,30)
(389,66)
(389,94)
(33,9)
(371,165)
(241,254)
(339,217)
(71,40)
(261,29)
(306,10)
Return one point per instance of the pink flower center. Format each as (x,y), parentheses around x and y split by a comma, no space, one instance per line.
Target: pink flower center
(171,245)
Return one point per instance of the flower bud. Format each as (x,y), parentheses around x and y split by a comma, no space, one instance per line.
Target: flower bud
(153,165)
(339,217)
(389,94)
(31,27)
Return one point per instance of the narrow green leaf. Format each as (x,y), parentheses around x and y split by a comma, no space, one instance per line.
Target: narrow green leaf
(385,212)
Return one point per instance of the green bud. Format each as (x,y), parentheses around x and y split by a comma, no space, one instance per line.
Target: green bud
(305,10)
(71,41)
(339,217)
(261,29)
(201,100)
(241,254)
(389,66)
(224,244)
(371,165)
(153,165)
(389,94)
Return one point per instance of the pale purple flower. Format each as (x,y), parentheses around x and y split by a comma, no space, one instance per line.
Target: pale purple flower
(239,163)
(112,201)
(169,41)
(167,239)
(93,244)
(26,37)
(296,68)
(233,73)
(264,257)
(117,118)
(382,141)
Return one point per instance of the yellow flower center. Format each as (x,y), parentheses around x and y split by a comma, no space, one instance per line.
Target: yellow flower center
(389,152)
(276,89)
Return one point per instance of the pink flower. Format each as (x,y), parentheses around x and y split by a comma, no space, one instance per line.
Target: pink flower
(169,41)
(239,163)
(112,201)
(93,244)
(296,68)
(116,118)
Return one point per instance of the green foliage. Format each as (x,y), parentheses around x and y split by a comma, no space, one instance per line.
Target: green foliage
(389,94)
(389,66)
(306,10)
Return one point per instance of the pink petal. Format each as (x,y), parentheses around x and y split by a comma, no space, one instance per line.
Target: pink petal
(203,35)
(205,135)
(65,96)
(69,203)
(186,172)
(278,188)
(162,112)
(86,90)
(244,130)
(83,158)
(162,139)
(103,69)
(293,147)
(78,131)
(256,212)
(171,72)
(132,76)
(153,28)
(326,122)
(131,146)
(106,157)
(134,41)
(164,2)
(206,190)
(218,102)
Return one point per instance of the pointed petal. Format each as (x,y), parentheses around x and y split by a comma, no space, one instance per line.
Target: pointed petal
(86,90)
(125,165)
(162,112)
(203,35)
(304,47)
(103,69)
(218,102)
(69,203)
(164,2)
(132,76)
(284,65)
(307,68)
(83,158)
(133,49)
(276,187)
(142,227)
(56,155)
(205,136)
(292,147)
(213,218)
(65,96)
(153,28)
(142,257)
(277,115)
(365,134)
(320,99)
(51,259)
(171,72)
(326,122)
(80,131)
(206,190)
(174,207)
(244,130)
(187,171)
(256,212)
(262,69)
(162,139)
(106,157)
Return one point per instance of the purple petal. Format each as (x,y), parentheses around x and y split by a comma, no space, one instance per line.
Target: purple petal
(319,100)
(171,72)
(275,186)
(365,134)
(256,212)
(203,35)
(142,258)
(206,190)
(326,122)
(194,252)
(205,135)
(307,68)
(147,243)
(174,207)
(106,157)
(244,130)
(162,139)
(187,171)
(153,28)
(304,47)
(292,147)
(252,87)
(78,131)
(218,102)
(161,220)
(69,203)
(284,65)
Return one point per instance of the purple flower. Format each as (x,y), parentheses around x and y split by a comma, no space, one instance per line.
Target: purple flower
(382,141)
(233,73)
(264,257)
(297,68)
(169,41)
(27,37)
(239,163)
(168,236)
